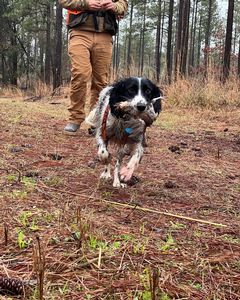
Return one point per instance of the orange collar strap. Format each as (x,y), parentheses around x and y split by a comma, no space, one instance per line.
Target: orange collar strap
(104,123)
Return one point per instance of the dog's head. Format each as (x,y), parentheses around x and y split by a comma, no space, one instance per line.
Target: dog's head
(136,94)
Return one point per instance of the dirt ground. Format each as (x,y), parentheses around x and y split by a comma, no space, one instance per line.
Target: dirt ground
(51,200)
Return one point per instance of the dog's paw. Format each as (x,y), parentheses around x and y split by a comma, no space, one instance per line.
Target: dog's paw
(106,176)
(103,154)
(126,174)
(119,184)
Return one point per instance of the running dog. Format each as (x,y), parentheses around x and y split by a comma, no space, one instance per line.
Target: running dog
(124,110)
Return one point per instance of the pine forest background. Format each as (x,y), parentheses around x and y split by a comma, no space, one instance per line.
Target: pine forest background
(160,39)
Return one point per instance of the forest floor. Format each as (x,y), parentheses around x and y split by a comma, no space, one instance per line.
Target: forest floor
(51,199)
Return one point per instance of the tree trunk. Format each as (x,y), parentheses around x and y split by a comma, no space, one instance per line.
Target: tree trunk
(157,47)
(178,50)
(41,56)
(14,57)
(193,36)
(169,42)
(185,37)
(199,42)
(208,38)
(162,28)
(116,56)
(47,76)
(140,51)
(143,37)
(235,40)
(228,41)
(125,52)
(4,79)
(57,80)
(129,60)
(239,60)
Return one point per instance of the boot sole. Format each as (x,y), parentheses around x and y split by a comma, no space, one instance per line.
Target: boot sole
(73,133)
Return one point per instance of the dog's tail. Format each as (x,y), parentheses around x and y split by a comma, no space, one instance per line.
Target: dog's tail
(91,119)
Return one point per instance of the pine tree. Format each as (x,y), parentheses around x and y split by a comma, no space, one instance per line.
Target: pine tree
(228,41)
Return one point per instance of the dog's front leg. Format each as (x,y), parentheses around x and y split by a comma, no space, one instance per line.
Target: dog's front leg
(103,153)
(127,172)
(116,180)
(103,156)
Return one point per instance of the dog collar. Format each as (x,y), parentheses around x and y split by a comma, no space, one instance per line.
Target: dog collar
(128,130)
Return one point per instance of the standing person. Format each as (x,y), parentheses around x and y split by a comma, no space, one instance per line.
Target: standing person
(91,24)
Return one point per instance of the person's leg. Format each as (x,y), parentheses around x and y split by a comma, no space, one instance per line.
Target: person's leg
(80,44)
(101,57)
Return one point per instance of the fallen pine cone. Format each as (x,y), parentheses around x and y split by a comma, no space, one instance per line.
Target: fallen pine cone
(10,286)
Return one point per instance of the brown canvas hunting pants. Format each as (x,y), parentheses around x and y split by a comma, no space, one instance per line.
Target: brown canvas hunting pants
(90,54)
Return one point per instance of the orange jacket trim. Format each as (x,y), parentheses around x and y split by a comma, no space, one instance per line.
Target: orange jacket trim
(72,12)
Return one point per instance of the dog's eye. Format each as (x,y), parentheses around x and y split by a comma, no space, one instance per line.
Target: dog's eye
(148,91)
(131,90)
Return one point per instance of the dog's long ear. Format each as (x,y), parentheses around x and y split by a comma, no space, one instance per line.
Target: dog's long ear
(157,93)
(116,96)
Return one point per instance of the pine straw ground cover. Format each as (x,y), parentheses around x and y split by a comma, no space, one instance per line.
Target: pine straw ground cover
(56,225)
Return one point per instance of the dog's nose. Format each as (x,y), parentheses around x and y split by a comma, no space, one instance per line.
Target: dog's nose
(141,107)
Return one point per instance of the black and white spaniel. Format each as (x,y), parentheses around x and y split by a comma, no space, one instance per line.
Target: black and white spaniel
(123,112)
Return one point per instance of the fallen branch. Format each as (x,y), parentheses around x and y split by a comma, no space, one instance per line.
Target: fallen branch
(150,210)
(163,213)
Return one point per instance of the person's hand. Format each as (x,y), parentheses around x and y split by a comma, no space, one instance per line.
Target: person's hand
(108,5)
(94,4)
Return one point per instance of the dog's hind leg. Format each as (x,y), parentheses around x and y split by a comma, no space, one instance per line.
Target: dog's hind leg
(116,180)
(127,172)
